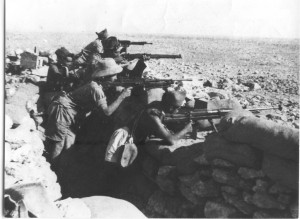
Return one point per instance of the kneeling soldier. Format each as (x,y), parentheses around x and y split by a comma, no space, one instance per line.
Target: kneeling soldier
(67,110)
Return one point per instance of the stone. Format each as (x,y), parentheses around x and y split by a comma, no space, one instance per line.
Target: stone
(255,86)
(8,122)
(221,163)
(278,188)
(189,195)
(264,200)
(205,188)
(34,78)
(166,205)
(225,177)
(202,160)
(283,171)
(230,190)
(247,197)
(166,179)
(189,180)
(248,173)
(219,210)
(237,202)
(238,154)
(260,186)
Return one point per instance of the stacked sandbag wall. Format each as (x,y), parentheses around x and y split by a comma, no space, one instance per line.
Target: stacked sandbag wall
(230,179)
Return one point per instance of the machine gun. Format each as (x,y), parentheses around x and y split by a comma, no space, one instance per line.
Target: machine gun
(144,83)
(126,43)
(203,114)
(151,56)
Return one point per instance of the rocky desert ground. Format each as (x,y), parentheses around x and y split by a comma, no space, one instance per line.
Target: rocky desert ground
(256,72)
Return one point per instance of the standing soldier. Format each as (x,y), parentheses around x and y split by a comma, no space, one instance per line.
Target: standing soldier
(67,110)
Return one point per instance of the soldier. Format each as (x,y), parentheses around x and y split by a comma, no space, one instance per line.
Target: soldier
(67,110)
(58,74)
(111,48)
(149,122)
(91,53)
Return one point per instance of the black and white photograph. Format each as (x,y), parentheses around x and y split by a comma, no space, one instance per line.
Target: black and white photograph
(151,108)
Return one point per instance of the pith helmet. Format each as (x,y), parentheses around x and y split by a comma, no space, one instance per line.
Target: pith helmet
(106,67)
(103,34)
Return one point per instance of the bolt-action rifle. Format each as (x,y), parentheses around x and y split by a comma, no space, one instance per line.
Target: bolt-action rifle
(151,56)
(144,83)
(203,114)
(126,43)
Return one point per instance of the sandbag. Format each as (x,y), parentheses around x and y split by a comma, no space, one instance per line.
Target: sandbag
(265,135)
(32,198)
(215,105)
(107,207)
(240,154)
(283,171)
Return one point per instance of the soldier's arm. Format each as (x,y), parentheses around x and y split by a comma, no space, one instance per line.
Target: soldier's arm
(110,109)
(165,134)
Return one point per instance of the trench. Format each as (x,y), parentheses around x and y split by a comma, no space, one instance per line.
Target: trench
(84,173)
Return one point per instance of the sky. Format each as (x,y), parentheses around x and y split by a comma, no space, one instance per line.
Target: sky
(230,18)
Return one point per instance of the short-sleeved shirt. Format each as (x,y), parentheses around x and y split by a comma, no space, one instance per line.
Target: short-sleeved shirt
(88,97)
(92,48)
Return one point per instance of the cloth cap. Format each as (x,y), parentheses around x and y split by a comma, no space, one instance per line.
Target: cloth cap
(64,54)
(111,43)
(174,98)
(106,67)
(103,34)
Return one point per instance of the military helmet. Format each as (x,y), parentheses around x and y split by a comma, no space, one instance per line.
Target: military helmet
(106,67)
(103,34)
(110,43)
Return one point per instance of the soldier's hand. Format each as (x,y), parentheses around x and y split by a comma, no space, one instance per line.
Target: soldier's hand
(119,88)
(126,92)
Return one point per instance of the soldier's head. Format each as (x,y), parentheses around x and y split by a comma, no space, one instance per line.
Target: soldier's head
(106,70)
(173,100)
(110,44)
(102,35)
(64,56)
